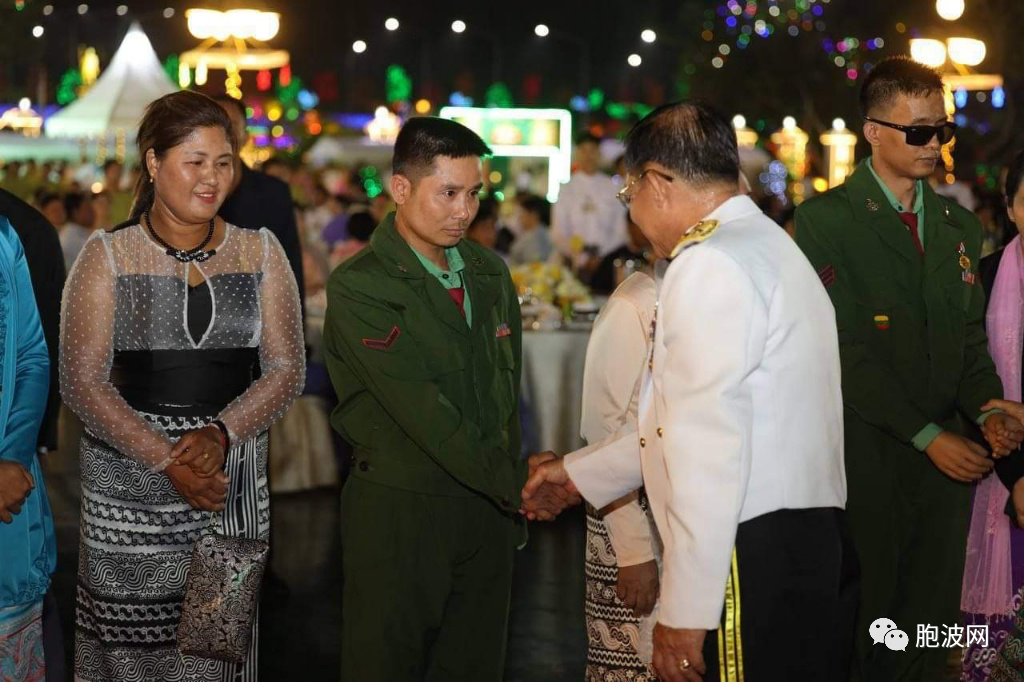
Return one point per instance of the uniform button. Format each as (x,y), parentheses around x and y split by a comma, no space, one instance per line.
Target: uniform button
(660,432)
(643,443)
(364,466)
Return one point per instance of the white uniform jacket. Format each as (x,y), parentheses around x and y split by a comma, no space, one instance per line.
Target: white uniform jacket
(740,412)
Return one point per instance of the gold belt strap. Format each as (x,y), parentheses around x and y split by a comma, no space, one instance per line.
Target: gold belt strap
(730,640)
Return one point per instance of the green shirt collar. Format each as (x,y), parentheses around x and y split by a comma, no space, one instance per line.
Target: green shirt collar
(452,278)
(896,205)
(455,263)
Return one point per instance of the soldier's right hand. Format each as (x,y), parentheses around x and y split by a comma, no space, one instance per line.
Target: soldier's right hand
(548,491)
(959,458)
(15,485)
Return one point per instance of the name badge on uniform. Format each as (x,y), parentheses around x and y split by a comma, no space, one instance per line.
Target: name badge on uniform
(503,331)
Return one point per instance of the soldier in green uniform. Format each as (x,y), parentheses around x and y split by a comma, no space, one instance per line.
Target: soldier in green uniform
(423,341)
(900,264)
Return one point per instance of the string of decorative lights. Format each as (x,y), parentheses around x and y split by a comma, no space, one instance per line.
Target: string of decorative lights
(733,26)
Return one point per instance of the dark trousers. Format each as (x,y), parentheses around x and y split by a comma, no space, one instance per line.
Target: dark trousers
(909,526)
(790,601)
(53,640)
(427,586)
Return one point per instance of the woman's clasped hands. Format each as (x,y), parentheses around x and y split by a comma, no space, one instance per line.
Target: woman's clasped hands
(197,469)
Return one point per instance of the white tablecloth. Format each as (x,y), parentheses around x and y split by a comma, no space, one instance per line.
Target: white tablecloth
(553,388)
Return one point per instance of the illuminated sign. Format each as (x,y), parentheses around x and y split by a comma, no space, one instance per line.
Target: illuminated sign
(538,133)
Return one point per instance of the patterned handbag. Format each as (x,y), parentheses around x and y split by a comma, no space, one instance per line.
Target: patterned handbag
(221,596)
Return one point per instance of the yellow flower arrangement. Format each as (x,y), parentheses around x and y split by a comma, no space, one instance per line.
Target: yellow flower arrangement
(548,283)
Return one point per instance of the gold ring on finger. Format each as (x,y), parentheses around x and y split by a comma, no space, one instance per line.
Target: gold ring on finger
(684,664)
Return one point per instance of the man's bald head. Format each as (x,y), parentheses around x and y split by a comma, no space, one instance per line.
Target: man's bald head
(690,139)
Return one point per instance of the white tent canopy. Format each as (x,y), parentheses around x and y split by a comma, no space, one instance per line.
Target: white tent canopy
(116,101)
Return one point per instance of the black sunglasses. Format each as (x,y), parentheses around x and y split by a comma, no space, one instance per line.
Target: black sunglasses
(919,136)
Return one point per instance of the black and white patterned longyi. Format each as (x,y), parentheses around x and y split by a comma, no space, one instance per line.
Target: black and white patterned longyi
(136,541)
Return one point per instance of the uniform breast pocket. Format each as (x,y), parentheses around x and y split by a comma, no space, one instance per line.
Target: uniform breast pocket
(880,304)
(885,318)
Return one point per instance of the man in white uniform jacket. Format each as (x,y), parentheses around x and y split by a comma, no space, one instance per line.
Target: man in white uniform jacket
(740,434)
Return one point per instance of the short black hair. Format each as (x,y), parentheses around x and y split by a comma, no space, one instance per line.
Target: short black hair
(587,137)
(894,76)
(539,206)
(424,138)
(110,163)
(237,104)
(361,225)
(691,139)
(72,202)
(1014,177)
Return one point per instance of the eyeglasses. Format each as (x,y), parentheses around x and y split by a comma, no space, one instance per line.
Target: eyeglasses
(919,136)
(625,195)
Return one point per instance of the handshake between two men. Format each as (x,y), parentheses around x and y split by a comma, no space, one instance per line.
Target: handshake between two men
(549,490)
(678,653)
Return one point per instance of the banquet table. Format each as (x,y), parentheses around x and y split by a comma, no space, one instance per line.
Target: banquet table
(552,387)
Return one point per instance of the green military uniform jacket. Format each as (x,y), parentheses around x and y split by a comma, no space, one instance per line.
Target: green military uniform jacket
(911,330)
(429,403)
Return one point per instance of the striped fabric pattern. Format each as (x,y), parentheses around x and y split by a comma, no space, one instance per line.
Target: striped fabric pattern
(613,632)
(730,640)
(136,542)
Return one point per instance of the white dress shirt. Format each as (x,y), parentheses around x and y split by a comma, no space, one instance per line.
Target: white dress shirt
(616,358)
(587,208)
(741,411)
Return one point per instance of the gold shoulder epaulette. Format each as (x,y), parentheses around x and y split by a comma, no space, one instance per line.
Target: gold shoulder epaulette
(695,235)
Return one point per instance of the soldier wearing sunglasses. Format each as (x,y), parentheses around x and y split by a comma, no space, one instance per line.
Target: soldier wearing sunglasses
(900,264)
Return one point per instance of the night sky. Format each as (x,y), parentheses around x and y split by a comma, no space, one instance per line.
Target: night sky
(773,77)
(319,34)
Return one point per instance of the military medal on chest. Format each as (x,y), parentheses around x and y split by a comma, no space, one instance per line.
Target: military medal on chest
(965,265)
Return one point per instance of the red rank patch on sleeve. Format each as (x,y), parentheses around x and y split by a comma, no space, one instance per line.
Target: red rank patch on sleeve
(827,275)
(385,343)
